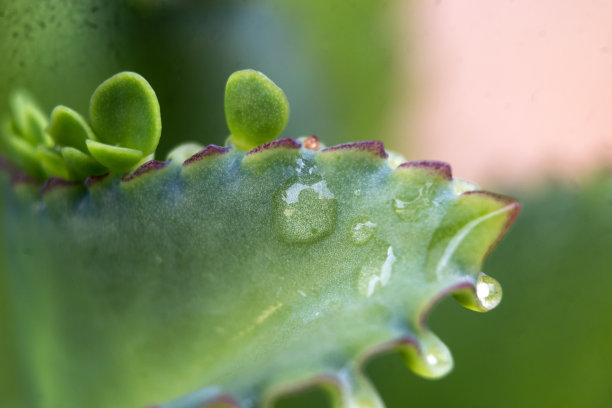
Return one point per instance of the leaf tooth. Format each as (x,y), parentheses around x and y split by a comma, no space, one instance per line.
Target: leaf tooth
(431,359)
(330,384)
(209,151)
(509,202)
(55,184)
(95,180)
(441,169)
(279,152)
(470,229)
(358,391)
(146,168)
(284,143)
(346,388)
(373,147)
(222,401)
(209,397)
(424,353)
(19,178)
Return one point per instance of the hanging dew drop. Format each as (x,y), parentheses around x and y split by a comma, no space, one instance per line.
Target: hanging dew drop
(305,210)
(488,291)
(434,360)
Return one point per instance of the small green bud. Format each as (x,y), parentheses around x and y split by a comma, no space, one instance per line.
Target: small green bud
(81,165)
(125,113)
(24,155)
(184,151)
(52,163)
(28,119)
(256,110)
(69,128)
(115,158)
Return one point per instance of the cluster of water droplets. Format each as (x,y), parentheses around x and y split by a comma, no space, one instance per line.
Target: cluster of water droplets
(305,209)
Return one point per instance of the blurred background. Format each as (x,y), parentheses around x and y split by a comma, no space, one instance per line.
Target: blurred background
(516,95)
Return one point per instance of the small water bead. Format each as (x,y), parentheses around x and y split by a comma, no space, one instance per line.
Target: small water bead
(435,359)
(488,291)
(305,209)
(362,231)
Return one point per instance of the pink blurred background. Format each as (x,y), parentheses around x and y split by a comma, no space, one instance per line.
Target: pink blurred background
(508,91)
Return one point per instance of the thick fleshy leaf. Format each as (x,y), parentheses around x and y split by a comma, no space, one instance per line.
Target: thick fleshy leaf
(28,120)
(115,158)
(81,164)
(124,112)
(69,129)
(24,155)
(256,110)
(236,277)
(52,163)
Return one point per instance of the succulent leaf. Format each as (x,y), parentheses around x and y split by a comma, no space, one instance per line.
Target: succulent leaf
(117,158)
(52,163)
(68,128)
(237,276)
(81,164)
(125,113)
(28,120)
(256,110)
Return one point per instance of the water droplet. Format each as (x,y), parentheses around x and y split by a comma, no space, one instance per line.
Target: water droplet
(435,359)
(362,231)
(488,291)
(305,209)
(409,207)
(377,273)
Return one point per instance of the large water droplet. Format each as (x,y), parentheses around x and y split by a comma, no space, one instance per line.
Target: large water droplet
(362,230)
(377,273)
(305,209)
(488,291)
(435,359)
(410,206)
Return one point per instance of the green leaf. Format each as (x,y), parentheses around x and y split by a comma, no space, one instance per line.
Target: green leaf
(256,110)
(28,119)
(116,158)
(248,274)
(125,113)
(80,164)
(69,128)
(52,163)
(183,151)
(24,155)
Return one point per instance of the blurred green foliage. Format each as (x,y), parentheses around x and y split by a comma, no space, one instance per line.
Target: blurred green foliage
(332,58)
